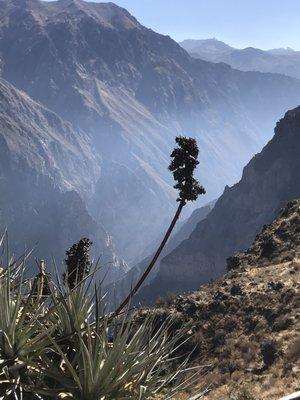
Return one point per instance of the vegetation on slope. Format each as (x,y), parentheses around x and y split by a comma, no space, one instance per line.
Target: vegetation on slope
(245,327)
(56,341)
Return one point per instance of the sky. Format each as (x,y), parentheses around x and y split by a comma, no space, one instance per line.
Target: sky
(264,24)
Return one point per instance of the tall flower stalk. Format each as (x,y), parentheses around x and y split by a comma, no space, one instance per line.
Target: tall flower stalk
(183,165)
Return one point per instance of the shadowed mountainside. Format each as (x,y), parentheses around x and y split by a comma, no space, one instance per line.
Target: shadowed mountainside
(118,290)
(269,180)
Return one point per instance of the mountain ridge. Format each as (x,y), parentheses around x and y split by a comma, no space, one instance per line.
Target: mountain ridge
(282,61)
(131,90)
(269,180)
(46,171)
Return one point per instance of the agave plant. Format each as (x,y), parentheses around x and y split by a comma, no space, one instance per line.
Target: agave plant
(59,343)
(130,364)
(21,339)
(71,309)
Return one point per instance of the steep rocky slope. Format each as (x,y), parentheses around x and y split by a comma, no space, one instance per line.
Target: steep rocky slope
(132,90)
(269,180)
(280,61)
(46,170)
(37,137)
(120,289)
(186,227)
(245,327)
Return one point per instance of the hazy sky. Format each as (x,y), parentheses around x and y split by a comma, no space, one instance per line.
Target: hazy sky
(241,23)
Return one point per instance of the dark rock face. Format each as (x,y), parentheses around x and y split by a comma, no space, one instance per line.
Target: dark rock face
(131,90)
(269,181)
(278,242)
(282,61)
(46,169)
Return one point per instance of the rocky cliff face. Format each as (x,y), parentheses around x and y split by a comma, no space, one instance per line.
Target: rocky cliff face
(269,180)
(46,169)
(131,90)
(277,243)
(38,138)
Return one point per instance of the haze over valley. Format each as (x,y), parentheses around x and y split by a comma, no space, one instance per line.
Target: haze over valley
(149,182)
(128,91)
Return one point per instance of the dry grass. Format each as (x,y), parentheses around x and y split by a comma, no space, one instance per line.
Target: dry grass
(246,326)
(228,332)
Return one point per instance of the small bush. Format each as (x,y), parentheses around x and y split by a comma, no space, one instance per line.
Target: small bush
(241,394)
(236,290)
(165,301)
(219,338)
(282,323)
(276,285)
(293,353)
(269,352)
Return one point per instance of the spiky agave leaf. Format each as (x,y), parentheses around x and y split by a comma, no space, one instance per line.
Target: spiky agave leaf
(131,364)
(70,311)
(73,306)
(64,347)
(21,339)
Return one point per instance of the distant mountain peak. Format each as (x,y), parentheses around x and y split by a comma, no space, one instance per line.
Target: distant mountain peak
(281,60)
(282,51)
(209,45)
